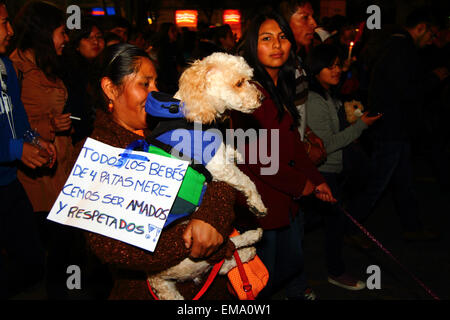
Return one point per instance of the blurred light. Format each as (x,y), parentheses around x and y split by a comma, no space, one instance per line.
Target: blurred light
(98,12)
(186,18)
(150,21)
(231,16)
(111,11)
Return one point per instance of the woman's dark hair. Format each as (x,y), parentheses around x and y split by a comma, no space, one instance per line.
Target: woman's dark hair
(162,38)
(424,15)
(76,35)
(72,57)
(111,22)
(289,7)
(320,57)
(283,94)
(119,60)
(221,32)
(35,24)
(109,36)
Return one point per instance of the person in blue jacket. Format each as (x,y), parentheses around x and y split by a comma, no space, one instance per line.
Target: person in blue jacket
(21,255)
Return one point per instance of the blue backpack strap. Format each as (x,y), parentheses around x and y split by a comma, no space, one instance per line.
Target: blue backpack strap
(163,105)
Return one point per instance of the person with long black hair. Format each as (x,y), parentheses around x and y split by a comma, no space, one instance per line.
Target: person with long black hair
(127,76)
(269,48)
(41,37)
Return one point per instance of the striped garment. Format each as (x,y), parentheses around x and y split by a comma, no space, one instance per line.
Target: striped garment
(301,95)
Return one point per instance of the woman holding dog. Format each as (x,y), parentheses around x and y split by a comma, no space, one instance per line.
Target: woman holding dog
(327,118)
(269,48)
(127,77)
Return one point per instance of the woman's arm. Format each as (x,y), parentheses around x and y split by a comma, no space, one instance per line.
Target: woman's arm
(320,119)
(212,223)
(216,212)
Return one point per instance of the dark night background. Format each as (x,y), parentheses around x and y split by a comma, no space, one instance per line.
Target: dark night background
(430,262)
(392,11)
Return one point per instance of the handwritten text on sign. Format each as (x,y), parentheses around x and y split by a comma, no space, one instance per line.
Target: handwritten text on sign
(122,195)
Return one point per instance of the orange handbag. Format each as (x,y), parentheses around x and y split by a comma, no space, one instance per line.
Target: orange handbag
(244,281)
(247,279)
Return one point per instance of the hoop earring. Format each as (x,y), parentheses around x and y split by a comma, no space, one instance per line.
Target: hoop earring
(110,106)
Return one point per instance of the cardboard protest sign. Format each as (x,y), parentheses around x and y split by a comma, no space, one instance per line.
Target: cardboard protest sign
(125,195)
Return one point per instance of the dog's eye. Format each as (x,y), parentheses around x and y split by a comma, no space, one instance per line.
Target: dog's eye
(239,83)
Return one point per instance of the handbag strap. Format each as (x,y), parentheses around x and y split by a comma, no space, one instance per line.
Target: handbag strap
(209,280)
(246,286)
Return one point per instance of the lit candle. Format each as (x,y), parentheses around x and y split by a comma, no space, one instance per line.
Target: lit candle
(350,50)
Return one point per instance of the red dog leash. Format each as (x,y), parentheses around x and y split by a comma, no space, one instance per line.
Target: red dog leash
(378,243)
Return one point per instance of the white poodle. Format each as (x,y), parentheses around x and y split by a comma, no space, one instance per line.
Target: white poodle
(207,88)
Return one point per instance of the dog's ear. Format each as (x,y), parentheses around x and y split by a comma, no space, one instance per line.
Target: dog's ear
(211,73)
(192,91)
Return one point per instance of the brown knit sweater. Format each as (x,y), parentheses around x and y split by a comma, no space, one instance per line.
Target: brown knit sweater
(129,264)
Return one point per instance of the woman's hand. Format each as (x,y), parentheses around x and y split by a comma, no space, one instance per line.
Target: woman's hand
(32,156)
(370,120)
(323,192)
(308,189)
(202,238)
(62,122)
(51,150)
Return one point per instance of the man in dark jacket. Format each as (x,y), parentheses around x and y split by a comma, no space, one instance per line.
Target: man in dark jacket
(18,235)
(300,15)
(398,89)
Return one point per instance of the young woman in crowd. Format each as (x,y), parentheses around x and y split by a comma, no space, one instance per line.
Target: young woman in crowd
(81,57)
(41,37)
(127,77)
(327,119)
(269,48)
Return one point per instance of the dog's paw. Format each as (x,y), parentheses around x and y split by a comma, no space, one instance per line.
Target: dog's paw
(164,289)
(258,213)
(238,157)
(257,207)
(197,280)
(248,238)
(253,236)
(247,254)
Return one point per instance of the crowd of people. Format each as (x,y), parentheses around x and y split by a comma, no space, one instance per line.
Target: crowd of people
(61,86)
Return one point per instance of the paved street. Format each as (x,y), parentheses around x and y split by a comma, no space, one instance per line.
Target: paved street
(428,261)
